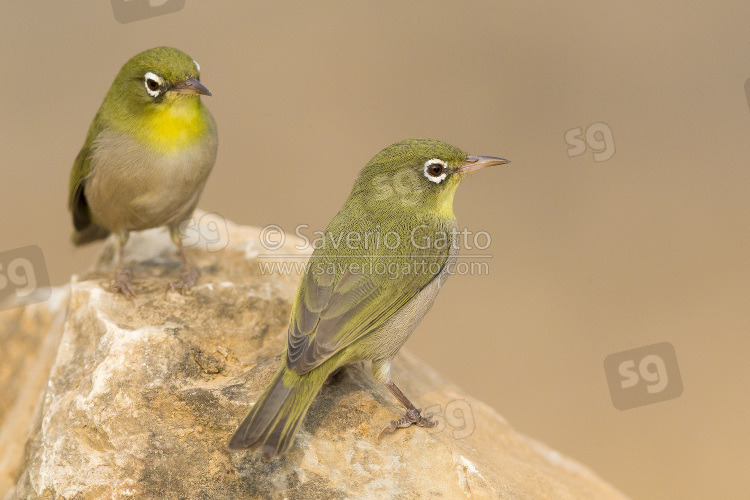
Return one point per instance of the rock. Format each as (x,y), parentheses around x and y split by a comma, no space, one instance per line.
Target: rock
(108,398)
(29,336)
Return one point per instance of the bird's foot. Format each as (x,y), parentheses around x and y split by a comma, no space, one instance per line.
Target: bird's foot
(189,277)
(122,283)
(413,416)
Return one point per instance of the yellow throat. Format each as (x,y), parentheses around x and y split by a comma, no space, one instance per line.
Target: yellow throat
(174,125)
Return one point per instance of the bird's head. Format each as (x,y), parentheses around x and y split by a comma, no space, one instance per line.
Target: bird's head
(156,99)
(155,79)
(417,175)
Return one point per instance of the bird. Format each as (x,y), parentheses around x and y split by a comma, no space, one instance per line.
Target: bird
(146,158)
(369,282)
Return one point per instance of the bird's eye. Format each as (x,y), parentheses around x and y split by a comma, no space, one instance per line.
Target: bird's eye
(435,170)
(153,84)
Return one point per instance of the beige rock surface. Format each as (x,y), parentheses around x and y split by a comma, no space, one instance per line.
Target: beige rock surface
(115,399)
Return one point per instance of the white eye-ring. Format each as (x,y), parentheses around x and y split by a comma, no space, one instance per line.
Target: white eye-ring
(153,83)
(197,66)
(436,170)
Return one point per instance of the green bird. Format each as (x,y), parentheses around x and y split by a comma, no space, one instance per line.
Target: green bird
(146,158)
(368,284)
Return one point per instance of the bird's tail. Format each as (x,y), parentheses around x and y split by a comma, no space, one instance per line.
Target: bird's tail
(274,420)
(90,233)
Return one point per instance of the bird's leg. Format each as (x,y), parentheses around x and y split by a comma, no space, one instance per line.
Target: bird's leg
(122,283)
(413,414)
(190,273)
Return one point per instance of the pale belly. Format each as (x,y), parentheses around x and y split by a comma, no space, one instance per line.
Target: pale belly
(132,188)
(388,339)
(382,344)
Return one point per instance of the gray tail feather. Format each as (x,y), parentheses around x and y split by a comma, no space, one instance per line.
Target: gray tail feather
(91,233)
(276,417)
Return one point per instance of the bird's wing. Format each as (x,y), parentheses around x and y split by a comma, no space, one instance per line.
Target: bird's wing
(340,299)
(81,169)
(76,200)
(77,203)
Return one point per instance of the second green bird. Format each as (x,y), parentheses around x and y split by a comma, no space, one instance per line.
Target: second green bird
(146,158)
(368,285)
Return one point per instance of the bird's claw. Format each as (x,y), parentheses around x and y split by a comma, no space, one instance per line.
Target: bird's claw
(122,284)
(189,277)
(413,416)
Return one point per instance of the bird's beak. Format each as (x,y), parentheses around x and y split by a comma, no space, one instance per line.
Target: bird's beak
(474,163)
(190,86)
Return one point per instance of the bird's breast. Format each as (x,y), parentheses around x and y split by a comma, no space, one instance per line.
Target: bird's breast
(133,187)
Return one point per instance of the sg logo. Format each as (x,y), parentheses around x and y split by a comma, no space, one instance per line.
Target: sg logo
(458,416)
(22,272)
(598,137)
(127,11)
(210,231)
(643,376)
(400,187)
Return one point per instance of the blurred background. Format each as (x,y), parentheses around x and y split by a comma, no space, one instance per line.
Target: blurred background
(621,222)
